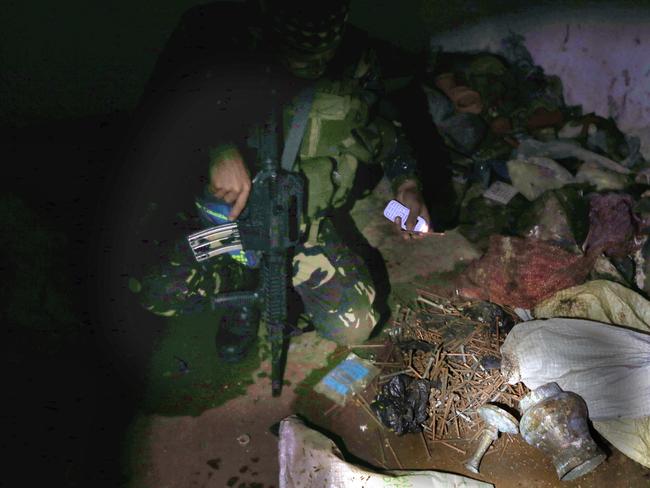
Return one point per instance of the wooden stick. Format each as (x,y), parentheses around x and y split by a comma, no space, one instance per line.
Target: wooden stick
(453,447)
(443,425)
(397,373)
(433,425)
(381,446)
(426,446)
(503,449)
(430,303)
(427,370)
(367,409)
(330,410)
(394,453)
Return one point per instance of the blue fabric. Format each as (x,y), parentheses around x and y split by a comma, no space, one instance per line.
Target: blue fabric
(212,212)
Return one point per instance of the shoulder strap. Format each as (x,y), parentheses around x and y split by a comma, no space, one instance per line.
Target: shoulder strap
(297,129)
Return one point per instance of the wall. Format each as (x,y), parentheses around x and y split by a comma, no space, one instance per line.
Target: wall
(601,53)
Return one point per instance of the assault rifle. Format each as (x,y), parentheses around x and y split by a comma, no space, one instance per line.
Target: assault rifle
(270,225)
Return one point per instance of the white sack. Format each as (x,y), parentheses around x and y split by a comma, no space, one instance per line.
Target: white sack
(606,365)
(308,459)
(612,303)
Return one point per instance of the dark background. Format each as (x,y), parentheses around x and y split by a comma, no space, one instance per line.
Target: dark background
(72,76)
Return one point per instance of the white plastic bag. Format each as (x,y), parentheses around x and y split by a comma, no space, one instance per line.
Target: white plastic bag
(308,459)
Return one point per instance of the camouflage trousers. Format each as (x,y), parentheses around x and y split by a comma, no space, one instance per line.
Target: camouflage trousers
(332,281)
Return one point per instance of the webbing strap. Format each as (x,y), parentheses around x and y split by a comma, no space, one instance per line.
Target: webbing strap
(297,129)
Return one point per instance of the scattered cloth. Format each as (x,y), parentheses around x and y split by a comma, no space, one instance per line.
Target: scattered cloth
(558,217)
(563,149)
(601,178)
(440,107)
(464,131)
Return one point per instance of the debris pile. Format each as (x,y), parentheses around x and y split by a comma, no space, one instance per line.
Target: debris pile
(558,201)
(554,195)
(455,348)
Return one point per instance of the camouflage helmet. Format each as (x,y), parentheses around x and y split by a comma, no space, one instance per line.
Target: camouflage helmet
(308,33)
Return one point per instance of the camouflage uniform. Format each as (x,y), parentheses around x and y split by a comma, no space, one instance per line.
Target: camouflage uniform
(333,282)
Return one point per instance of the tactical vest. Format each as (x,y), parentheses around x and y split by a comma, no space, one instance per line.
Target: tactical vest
(333,144)
(337,137)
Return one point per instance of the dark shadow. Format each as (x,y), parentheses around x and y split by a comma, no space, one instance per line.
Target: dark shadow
(511,410)
(410,107)
(72,392)
(72,403)
(603,443)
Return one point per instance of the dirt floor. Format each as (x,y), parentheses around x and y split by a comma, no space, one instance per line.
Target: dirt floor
(72,393)
(206,451)
(509,463)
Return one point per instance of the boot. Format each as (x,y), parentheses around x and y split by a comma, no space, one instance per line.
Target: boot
(237,332)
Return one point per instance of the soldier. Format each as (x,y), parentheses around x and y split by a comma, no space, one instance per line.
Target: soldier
(306,44)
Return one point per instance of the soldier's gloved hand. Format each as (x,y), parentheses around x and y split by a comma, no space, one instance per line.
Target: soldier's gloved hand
(409,195)
(230,180)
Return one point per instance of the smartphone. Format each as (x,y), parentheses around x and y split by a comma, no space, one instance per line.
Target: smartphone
(395,209)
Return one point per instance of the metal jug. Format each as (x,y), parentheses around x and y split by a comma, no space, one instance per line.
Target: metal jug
(555,421)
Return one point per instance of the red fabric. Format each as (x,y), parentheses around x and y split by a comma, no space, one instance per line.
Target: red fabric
(521,272)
